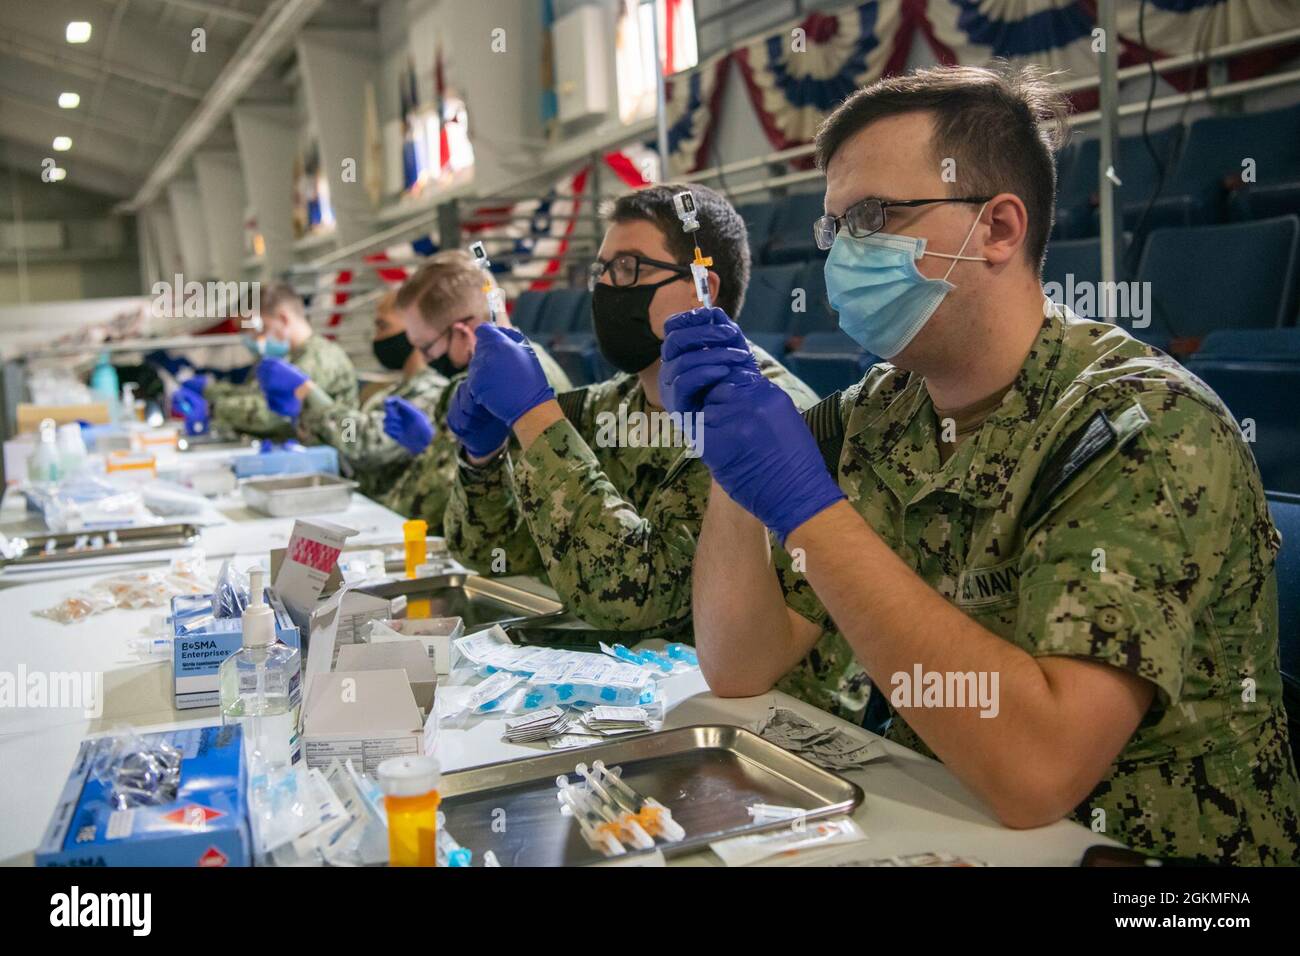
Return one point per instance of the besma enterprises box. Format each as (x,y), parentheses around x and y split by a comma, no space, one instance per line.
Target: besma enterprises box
(200,642)
(206,825)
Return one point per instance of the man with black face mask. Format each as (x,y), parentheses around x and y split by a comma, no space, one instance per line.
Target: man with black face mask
(371,456)
(440,307)
(604,494)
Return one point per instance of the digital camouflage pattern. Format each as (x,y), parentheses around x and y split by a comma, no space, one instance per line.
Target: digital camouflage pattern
(424,487)
(366,451)
(613,528)
(242,408)
(1156,556)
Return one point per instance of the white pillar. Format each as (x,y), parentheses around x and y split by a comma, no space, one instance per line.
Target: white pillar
(221,191)
(267,137)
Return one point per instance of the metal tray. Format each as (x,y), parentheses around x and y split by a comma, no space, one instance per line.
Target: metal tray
(477,600)
(707,775)
(159,537)
(291,495)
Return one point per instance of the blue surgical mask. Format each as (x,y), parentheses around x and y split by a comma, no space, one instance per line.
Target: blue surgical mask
(275,348)
(881,297)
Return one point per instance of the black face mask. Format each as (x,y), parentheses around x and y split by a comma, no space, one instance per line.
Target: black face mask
(444,366)
(393,351)
(621,317)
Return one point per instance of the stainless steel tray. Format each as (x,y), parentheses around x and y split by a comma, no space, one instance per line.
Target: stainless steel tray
(707,776)
(477,600)
(129,541)
(289,495)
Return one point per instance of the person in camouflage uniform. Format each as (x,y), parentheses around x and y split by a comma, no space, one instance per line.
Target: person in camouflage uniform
(367,453)
(602,499)
(285,333)
(440,307)
(1074,514)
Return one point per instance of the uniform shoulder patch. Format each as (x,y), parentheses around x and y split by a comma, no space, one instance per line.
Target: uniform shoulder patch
(571,403)
(1094,438)
(827,427)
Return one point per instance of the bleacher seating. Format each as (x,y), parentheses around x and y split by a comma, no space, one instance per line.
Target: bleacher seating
(1247,279)
(1076,205)
(791,238)
(1211,164)
(1257,374)
(827,361)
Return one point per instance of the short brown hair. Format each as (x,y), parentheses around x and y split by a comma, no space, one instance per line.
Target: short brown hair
(1002,125)
(276,295)
(449,282)
(721,235)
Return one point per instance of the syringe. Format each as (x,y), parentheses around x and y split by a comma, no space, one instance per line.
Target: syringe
(495,297)
(684,203)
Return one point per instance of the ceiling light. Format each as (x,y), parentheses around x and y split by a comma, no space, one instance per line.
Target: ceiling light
(62,143)
(69,101)
(78,31)
(57,174)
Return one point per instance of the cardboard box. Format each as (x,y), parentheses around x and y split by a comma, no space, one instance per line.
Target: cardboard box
(29,416)
(206,825)
(435,633)
(368,716)
(201,642)
(407,656)
(308,562)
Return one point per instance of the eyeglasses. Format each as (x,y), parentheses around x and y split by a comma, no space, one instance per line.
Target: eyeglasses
(427,347)
(867,217)
(625,270)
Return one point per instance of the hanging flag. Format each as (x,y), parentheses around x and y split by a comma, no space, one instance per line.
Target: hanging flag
(440,104)
(1054,34)
(692,100)
(409,101)
(797,75)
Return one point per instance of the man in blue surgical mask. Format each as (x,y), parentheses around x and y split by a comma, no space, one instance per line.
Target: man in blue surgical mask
(1043,540)
(289,353)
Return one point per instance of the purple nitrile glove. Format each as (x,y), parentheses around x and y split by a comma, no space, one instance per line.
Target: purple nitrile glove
(760,450)
(407,425)
(479,430)
(196,384)
(279,379)
(700,348)
(193,407)
(505,376)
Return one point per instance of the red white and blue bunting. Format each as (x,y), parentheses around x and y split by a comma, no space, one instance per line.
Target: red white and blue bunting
(692,100)
(1054,34)
(797,76)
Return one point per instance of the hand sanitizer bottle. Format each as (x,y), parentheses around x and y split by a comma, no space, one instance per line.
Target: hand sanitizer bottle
(261,688)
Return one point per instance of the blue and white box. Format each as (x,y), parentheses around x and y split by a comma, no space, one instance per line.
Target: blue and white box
(206,825)
(201,641)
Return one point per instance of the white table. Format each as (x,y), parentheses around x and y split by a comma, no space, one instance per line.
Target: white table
(912,804)
(240,531)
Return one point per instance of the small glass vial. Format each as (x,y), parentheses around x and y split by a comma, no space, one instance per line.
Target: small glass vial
(411,799)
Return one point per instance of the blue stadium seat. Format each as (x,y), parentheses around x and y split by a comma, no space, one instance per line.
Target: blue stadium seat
(827,361)
(818,316)
(1264,200)
(1076,203)
(1080,258)
(1286,515)
(572,336)
(1257,374)
(773,343)
(527,311)
(1203,278)
(768,303)
(792,229)
(758,224)
(1217,146)
(563,311)
(1285,509)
